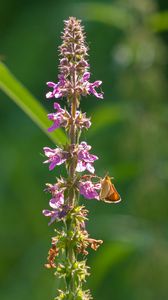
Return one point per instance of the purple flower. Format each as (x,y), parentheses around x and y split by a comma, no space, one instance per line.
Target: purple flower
(64,87)
(86,76)
(89,88)
(57,200)
(56,157)
(83,64)
(89,189)
(57,192)
(58,88)
(62,118)
(59,118)
(85,159)
(52,188)
(81,120)
(56,214)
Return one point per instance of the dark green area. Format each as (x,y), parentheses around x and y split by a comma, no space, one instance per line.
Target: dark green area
(128,52)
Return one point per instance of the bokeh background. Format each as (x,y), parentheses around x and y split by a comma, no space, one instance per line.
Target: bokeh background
(128,52)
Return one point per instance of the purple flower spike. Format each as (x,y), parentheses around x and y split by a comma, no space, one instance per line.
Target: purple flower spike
(56,157)
(72,239)
(88,190)
(85,159)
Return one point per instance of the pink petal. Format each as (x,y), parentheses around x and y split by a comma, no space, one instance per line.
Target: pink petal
(49,95)
(80,167)
(90,168)
(51,84)
(52,165)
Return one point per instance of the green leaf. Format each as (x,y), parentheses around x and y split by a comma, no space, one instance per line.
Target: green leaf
(28,103)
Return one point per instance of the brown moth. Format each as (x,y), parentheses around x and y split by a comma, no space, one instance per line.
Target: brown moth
(108,193)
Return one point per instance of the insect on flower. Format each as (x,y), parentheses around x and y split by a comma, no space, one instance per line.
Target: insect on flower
(73,238)
(108,192)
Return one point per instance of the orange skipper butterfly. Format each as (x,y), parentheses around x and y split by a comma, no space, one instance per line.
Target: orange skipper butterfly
(108,192)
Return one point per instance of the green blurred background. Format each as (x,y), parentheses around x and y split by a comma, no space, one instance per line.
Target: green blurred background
(128,52)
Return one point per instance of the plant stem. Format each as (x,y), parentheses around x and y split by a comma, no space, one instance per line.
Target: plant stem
(70,253)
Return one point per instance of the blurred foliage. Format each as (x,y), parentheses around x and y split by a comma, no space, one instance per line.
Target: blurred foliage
(128,52)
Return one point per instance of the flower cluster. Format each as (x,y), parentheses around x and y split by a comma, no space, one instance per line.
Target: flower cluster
(89,189)
(62,118)
(64,88)
(57,203)
(73,83)
(58,156)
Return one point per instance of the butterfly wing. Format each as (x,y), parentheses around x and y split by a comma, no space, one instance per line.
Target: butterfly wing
(113,196)
(105,188)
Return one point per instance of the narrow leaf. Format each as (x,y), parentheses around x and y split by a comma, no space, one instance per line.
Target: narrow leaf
(28,103)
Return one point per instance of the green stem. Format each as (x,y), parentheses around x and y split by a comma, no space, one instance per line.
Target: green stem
(70,253)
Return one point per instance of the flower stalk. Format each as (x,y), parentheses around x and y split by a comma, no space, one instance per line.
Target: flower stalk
(69,247)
